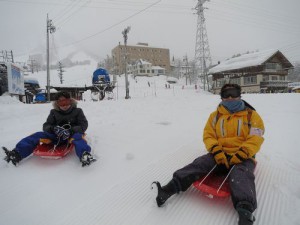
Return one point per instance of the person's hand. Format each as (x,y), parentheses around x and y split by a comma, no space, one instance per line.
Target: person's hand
(238,157)
(66,134)
(58,131)
(219,156)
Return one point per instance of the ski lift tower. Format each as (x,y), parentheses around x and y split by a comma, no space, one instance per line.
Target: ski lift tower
(202,52)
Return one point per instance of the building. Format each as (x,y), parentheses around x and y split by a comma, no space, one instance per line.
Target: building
(145,68)
(156,56)
(263,71)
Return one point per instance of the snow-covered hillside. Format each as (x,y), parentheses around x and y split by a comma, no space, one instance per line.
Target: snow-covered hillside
(136,142)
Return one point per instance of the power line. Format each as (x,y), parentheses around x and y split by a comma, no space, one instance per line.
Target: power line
(114,25)
(65,10)
(67,18)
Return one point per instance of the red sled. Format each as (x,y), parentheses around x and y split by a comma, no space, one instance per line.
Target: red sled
(214,185)
(50,151)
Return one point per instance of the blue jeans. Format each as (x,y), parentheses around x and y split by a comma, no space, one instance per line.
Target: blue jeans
(26,146)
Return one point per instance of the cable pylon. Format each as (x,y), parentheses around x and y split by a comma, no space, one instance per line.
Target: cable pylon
(202,52)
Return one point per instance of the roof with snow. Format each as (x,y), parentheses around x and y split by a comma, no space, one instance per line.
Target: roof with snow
(142,62)
(31,80)
(249,60)
(158,68)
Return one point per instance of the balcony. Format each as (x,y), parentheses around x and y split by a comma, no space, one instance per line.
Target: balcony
(274,83)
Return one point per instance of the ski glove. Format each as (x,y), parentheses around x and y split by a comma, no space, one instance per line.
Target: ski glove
(58,131)
(219,155)
(238,157)
(66,134)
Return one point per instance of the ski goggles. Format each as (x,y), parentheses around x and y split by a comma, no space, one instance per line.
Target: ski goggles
(230,92)
(64,102)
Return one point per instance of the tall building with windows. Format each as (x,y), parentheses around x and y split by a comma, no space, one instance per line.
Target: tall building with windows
(156,56)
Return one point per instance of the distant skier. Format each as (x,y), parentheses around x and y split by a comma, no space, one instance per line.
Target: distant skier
(232,136)
(64,112)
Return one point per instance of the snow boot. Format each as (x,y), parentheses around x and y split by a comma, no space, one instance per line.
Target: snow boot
(165,192)
(12,156)
(87,159)
(245,217)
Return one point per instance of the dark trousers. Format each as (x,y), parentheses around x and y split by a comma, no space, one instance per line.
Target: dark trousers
(241,178)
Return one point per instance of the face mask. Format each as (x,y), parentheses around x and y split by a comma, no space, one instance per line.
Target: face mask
(234,105)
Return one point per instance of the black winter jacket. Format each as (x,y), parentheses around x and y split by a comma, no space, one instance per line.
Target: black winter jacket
(73,116)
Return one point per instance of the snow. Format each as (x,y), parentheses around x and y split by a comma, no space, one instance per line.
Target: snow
(245,60)
(138,141)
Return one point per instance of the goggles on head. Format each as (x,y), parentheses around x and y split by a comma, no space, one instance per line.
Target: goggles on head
(230,92)
(63,102)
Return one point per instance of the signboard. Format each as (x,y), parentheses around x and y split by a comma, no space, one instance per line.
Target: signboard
(15,80)
(294,84)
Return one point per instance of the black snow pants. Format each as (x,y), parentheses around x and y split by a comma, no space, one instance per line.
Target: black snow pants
(241,178)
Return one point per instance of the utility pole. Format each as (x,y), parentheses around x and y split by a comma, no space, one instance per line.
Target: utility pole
(125,33)
(60,72)
(187,70)
(31,64)
(50,29)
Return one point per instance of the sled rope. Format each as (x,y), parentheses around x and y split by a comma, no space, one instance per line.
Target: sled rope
(225,179)
(65,127)
(207,175)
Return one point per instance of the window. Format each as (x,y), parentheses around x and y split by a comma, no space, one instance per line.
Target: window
(265,77)
(250,80)
(220,82)
(235,81)
(273,66)
(274,78)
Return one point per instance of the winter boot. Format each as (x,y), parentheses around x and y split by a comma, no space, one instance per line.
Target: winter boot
(245,214)
(87,159)
(12,156)
(165,192)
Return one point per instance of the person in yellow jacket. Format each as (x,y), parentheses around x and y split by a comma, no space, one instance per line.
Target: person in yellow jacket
(232,135)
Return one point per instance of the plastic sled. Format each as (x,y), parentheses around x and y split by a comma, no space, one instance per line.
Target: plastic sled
(49,151)
(213,186)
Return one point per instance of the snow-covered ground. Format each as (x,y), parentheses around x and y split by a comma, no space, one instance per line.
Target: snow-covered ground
(136,142)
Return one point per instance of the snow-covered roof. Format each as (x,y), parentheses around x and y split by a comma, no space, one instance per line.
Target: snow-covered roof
(31,80)
(157,68)
(243,61)
(296,88)
(143,62)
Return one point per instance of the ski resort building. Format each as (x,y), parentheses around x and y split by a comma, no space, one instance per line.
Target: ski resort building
(145,68)
(258,72)
(156,56)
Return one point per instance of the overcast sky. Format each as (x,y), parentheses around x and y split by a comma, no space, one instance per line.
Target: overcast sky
(233,26)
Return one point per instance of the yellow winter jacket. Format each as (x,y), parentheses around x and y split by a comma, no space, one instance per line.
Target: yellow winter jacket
(232,131)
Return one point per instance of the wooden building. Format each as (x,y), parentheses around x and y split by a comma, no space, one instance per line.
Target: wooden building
(258,72)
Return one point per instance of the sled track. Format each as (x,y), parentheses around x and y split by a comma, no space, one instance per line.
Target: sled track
(134,202)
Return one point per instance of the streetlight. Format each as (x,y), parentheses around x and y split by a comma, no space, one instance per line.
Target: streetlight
(125,32)
(51,29)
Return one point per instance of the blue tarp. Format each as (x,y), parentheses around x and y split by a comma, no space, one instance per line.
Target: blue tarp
(101,75)
(40,97)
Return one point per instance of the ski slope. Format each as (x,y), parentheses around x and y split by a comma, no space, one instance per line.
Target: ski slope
(136,142)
